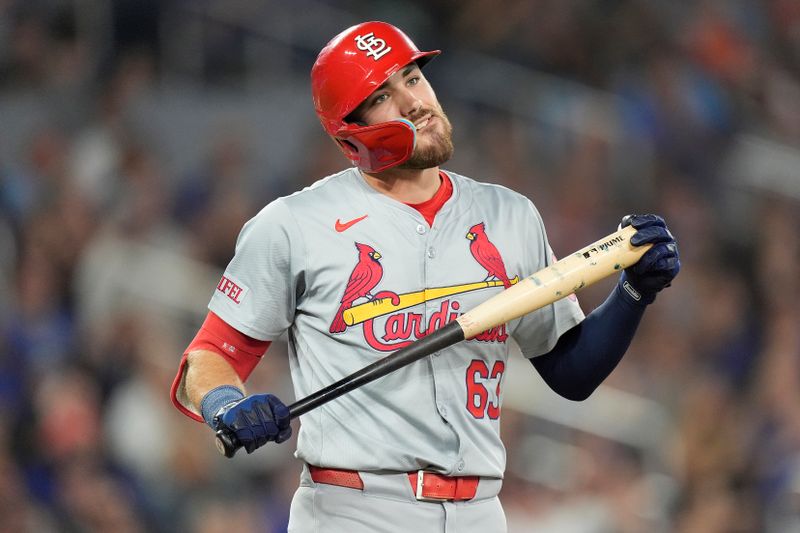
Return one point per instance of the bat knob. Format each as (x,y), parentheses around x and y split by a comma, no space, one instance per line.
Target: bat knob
(226,443)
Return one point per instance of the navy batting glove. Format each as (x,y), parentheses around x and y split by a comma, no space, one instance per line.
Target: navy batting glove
(255,420)
(658,266)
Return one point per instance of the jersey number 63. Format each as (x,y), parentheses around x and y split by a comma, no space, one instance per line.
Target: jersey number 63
(483,388)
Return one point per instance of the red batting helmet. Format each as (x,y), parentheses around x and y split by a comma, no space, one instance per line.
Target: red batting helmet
(350,67)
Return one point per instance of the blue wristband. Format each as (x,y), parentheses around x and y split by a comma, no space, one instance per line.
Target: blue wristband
(217,398)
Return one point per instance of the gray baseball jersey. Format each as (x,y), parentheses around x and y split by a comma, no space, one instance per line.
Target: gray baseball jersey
(353,275)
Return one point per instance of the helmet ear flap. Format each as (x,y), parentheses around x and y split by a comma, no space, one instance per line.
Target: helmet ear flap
(380,146)
(349,148)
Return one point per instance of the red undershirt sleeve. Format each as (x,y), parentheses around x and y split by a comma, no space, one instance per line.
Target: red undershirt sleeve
(240,351)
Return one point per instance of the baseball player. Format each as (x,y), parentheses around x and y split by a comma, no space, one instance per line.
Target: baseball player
(365,262)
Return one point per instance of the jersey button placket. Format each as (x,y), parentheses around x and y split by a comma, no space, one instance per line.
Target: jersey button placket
(431,307)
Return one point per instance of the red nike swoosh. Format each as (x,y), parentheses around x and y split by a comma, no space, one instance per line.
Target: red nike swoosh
(340,227)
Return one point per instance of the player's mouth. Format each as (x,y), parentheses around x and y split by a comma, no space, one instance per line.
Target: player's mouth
(424,122)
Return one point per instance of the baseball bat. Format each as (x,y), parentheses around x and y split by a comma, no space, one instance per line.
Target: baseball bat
(588,265)
(383,306)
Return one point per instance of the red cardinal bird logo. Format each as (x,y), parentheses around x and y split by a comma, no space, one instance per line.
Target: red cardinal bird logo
(365,276)
(486,254)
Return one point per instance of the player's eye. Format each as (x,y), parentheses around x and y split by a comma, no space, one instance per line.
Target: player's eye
(380,99)
(413,81)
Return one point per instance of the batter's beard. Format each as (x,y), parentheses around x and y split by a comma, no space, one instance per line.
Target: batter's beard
(437,151)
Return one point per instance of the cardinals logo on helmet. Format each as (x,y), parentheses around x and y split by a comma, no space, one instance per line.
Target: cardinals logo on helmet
(375,47)
(486,254)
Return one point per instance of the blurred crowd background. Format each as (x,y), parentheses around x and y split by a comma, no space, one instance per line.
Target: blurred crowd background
(136,137)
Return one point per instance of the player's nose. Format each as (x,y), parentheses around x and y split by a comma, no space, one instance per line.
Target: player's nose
(410,105)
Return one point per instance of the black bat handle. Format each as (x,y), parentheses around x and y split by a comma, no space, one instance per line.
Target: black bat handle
(227,443)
